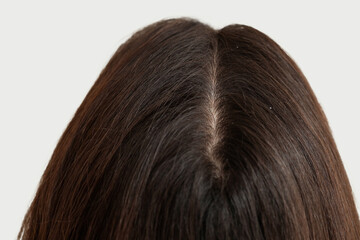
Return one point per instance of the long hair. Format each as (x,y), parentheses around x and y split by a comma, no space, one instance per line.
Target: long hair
(195,133)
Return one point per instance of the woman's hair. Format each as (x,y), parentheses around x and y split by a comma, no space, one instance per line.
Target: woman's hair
(195,133)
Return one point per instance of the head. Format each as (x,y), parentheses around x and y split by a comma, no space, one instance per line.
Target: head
(192,132)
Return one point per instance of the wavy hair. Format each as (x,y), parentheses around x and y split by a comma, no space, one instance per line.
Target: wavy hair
(195,133)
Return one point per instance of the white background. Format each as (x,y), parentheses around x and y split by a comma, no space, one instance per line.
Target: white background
(51,54)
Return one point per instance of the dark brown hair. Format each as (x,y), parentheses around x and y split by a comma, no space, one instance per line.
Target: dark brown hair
(195,133)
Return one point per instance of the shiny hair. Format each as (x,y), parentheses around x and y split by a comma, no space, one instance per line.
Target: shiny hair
(195,133)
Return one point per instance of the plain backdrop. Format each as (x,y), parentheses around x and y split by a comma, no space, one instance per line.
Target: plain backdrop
(52,53)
